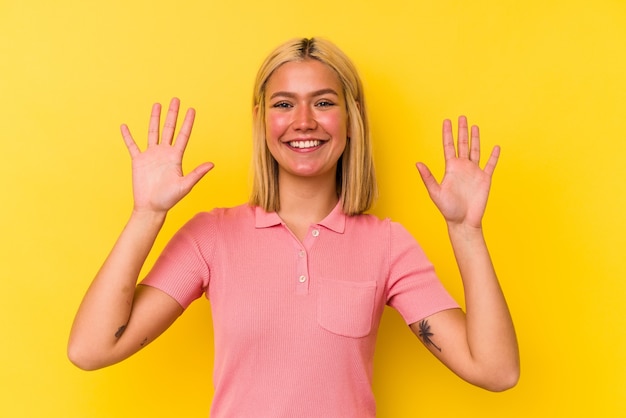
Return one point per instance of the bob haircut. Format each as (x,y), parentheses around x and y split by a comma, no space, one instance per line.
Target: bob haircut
(356,179)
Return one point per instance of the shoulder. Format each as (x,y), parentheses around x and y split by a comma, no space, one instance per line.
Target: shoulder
(226,213)
(374,223)
(367,220)
(385,232)
(219,218)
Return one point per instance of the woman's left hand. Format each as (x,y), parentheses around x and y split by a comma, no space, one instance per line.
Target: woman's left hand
(461,197)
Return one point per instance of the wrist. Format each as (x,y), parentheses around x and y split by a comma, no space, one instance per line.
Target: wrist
(464,231)
(148,217)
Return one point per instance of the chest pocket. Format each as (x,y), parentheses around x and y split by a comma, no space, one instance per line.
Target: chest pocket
(346,308)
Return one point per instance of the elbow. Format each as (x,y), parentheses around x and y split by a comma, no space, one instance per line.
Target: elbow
(503,384)
(501,380)
(79,360)
(83,358)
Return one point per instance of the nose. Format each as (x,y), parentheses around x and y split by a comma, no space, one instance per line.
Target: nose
(304,118)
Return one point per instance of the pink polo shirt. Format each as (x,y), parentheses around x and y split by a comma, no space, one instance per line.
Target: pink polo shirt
(295,323)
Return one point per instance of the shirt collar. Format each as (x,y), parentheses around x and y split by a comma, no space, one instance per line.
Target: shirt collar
(264,219)
(335,221)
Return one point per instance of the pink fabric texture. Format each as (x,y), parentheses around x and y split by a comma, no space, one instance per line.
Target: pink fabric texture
(295,323)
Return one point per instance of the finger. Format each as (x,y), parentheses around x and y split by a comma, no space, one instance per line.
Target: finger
(448,140)
(185,131)
(132,147)
(427,177)
(463,138)
(475,145)
(153,127)
(196,175)
(490,167)
(170,121)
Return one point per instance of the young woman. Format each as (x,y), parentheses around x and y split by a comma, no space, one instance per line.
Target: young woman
(298,277)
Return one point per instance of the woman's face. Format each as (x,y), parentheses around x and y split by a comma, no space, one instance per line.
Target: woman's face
(306,119)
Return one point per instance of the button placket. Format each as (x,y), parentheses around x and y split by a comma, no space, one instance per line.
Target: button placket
(302,278)
(302,272)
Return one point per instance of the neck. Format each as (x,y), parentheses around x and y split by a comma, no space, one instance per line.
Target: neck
(304,201)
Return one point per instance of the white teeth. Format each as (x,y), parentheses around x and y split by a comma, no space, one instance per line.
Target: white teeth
(304,144)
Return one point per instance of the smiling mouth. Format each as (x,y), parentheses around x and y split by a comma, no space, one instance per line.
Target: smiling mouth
(305,144)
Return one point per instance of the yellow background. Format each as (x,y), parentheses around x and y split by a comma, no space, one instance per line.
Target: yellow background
(544,79)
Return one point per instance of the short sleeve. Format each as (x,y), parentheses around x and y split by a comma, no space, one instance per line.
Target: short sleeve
(414,289)
(182,270)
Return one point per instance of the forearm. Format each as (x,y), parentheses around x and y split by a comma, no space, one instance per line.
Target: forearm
(490,333)
(106,307)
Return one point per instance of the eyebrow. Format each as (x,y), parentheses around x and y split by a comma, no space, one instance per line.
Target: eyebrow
(313,94)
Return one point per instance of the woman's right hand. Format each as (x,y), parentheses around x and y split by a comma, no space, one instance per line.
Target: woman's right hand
(158,179)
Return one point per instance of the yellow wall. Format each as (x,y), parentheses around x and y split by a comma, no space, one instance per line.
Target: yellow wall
(545,80)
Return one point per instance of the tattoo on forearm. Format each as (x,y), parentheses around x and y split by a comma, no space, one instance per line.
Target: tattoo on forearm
(120,331)
(425,334)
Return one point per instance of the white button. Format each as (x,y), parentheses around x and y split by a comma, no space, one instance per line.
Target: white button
(302,279)
(301,253)
(315,232)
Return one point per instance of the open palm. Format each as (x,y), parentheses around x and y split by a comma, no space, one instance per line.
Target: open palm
(461,197)
(158,179)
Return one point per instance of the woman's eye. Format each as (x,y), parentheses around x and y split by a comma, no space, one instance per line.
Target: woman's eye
(281,105)
(325,103)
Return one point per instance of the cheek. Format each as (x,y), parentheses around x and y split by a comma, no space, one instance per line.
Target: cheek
(335,123)
(275,125)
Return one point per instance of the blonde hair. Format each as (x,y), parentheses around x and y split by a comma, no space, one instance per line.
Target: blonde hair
(356,180)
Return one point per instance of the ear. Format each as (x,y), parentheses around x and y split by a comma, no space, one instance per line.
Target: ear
(255,112)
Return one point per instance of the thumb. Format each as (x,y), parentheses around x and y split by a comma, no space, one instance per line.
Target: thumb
(190,180)
(427,177)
